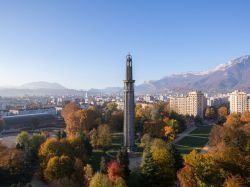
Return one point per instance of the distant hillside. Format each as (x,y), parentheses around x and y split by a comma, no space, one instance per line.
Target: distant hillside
(11,92)
(42,85)
(229,76)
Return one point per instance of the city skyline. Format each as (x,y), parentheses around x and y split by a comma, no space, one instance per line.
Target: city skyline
(56,42)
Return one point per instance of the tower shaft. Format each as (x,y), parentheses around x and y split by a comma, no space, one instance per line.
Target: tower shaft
(129,106)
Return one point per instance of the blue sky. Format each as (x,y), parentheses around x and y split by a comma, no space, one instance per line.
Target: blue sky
(83,44)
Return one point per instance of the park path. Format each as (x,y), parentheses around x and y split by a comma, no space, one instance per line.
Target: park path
(183,134)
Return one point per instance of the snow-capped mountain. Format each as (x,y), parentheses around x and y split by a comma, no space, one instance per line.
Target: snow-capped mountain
(234,74)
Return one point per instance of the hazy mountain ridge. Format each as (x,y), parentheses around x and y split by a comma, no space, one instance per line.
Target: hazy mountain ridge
(43,85)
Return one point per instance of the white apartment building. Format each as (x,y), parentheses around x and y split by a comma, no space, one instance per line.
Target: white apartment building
(148,98)
(239,102)
(193,104)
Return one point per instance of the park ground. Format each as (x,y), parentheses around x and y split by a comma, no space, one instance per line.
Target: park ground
(195,139)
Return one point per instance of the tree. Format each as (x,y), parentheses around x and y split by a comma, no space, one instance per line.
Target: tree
(227,160)
(88,174)
(178,164)
(15,166)
(114,170)
(164,160)
(245,117)
(233,181)
(112,106)
(145,140)
(53,147)
(116,121)
(69,115)
(204,168)
(123,159)
(216,135)
(78,175)
(88,119)
(59,167)
(119,182)
(93,138)
(23,140)
(86,143)
(157,111)
(223,111)
(172,123)
(144,113)
(79,149)
(154,128)
(210,113)
(100,180)
(61,134)
(234,120)
(103,165)
(186,177)
(169,132)
(104,136)
(35,141)
(148,166)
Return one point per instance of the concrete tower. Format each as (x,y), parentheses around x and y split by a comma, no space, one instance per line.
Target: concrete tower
(129,106)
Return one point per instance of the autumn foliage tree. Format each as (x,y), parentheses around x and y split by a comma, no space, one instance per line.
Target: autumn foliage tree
(158,164)
(88,119)
(15,166)
(80,120)
(116,121)
(227,161)
(100,180)
(69,115)
(62,161)
(104,137)
(59,167)
(222,111)
(114,170)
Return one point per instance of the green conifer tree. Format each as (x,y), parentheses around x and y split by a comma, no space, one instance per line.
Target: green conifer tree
(148,167)
(123,159)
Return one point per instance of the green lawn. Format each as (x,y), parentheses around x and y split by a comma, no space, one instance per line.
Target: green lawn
(193,141)
(202,131)
(185,149)
(117,141)
(197,140)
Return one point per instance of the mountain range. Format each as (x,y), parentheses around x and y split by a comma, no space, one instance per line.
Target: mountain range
(232,75)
